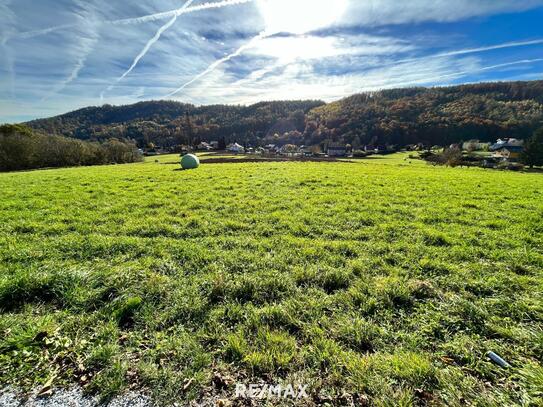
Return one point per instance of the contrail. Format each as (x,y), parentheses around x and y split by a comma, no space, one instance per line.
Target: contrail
(463,73)
(221,61)
(433,79)
(86,45)
(80,64)
(138,20)
(476,50)
(148,46)
(178,12)
(492,67)
(444,54)
(36,33)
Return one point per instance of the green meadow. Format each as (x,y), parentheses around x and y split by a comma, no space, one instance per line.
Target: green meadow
(384,281)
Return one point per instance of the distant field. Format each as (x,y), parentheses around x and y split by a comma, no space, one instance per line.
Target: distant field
(383,280)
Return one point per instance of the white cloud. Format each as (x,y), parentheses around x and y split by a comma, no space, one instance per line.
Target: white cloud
(384,12)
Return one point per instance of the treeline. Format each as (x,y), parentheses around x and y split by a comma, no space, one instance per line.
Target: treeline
(166,123)
(431,116)
(21,148)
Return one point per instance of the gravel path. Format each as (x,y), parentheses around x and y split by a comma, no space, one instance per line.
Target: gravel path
(70,398)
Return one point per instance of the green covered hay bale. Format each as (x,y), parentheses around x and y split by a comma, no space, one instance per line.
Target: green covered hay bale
(190,162)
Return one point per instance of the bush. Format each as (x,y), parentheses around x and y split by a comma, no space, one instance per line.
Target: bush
(451,157)
(22,149)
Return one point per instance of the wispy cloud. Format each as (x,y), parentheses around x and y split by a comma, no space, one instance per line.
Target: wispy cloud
(386,12)
(138,20)
(147,47)
(489,68)
(7,26)
(221,61)
(514,44)
(286,82)
(86,43)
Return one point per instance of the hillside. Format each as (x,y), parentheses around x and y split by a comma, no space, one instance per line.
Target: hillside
(165,122)
(400,116)
(432,115)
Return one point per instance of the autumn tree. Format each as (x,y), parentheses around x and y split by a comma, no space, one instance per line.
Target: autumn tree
(189,129)
(533,150)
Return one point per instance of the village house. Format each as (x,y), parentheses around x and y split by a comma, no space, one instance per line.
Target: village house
(375,149)
(235,148)
(336,150)
(509,153)
(289,150)
(507,149)
(205,146)
(271,149)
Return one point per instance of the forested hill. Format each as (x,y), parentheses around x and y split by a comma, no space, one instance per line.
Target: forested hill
(400,116)
(165,122)
(437,116)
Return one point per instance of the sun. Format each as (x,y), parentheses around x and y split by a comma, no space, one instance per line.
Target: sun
(300,16)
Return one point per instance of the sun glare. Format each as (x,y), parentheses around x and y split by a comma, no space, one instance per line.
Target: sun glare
(300,16)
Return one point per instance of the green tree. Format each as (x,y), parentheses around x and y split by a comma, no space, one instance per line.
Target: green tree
(18,147)
(533,150)
(222,143)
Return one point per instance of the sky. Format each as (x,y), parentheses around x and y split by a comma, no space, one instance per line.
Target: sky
(60,55)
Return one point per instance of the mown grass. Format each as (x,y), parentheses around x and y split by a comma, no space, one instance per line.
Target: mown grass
(383,280)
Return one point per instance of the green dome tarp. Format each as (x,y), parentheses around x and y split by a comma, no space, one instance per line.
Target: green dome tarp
(190,162)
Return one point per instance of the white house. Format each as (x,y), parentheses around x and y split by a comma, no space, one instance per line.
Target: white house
(235,148)
(205,146)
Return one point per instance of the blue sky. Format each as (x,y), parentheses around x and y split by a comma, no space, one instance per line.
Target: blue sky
(61,55)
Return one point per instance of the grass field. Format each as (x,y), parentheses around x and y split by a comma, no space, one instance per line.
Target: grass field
(384,281)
